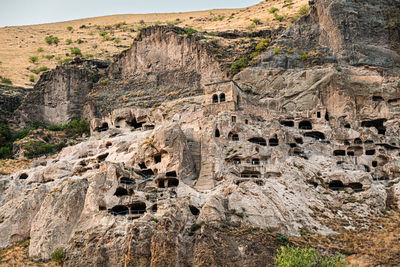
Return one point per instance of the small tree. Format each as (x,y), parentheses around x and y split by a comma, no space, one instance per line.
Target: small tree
(58,255)
(76,51)
(33,59)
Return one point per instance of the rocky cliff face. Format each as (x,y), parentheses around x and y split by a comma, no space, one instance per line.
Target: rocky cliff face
(10,99)
(303,141)
(59,95)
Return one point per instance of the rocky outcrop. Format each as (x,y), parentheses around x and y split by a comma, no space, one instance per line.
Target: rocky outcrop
(162,54)
(59,95)
(10,99)
(351,32)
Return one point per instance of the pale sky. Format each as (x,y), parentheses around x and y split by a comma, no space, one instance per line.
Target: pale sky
(27,12)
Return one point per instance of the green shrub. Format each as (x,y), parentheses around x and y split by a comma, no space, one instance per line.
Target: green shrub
(43,68)
(69,28)
(50,39)
(173,22)
(108,27)
(48,57)
(239,64)
(303,10)
(5,134)
(72,128)
(77,127)
(58,255)
(278,17)
(304,56)
(104,81)
(107,37)
(79,41)
(32,78)
(272,10)
(1,62)
(277,51)
(251,26)
(103,33)
(119,24)
(218,18)
(256,21)
(37,148)
(117,40)
(261,46)
(6,81)
(307,257)
(65,60)
(90,33)
(34,59)
(68,41)
(157,22)
(87,56)
(6,151)
(40,49)
(188,31)
(6,144)
(76,51)
(141,27)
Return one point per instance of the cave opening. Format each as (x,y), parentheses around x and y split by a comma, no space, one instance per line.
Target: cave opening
(171,174)
(357,187)
(305,125)
(157,158)
(316,135)
(121,192)
(173,182)
(133,123)
(138,208)
(258,140)
(273,141)
(103,127)
(339,152)
(336,185)
(287,123)
(378,124)
(370,152)
(195,211)
(119,210)
(23,176)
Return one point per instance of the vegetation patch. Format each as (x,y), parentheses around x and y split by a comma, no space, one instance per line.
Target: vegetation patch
(50,39)
(306,257)
(6,81)
(37,148)
(189,31)
(239,64)
(58,255)
(33,59)
(76,51)
(303,10)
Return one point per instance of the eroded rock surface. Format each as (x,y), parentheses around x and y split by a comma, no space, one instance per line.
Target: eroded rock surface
(290,145)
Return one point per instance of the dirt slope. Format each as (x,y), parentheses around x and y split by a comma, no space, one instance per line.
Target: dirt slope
(17,44)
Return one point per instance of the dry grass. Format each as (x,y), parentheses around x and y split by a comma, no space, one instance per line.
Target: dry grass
(8,166)
(17,256)
(17,44)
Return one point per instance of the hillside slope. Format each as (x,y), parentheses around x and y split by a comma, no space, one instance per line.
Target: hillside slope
(17,44)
